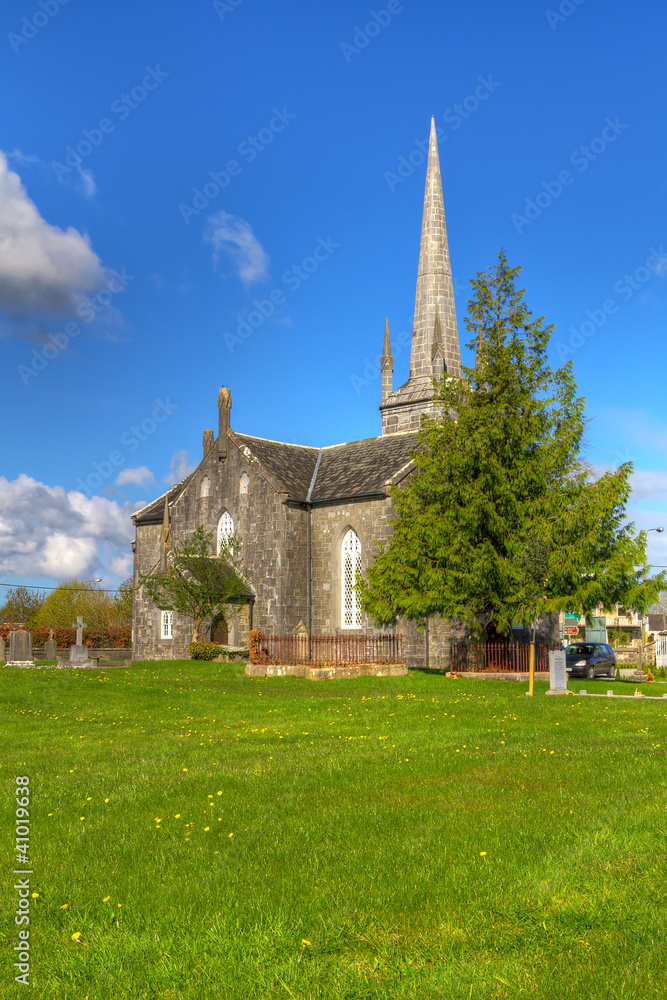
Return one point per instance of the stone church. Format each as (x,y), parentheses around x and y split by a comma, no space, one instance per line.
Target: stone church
(308,518)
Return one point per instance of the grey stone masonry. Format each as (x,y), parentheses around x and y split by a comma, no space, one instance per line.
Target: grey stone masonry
(20,648)
(435,337)
(50,648)
(2,650)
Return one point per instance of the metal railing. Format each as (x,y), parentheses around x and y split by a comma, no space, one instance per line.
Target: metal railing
(325,650)
(499,657)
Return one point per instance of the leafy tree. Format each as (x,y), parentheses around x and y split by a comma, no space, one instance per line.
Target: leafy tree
(72,598)
(121,612)
(21,606)
(199,584)
(503,521)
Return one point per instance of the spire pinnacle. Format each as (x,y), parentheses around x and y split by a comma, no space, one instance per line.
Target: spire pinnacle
(434,304)
(386,347)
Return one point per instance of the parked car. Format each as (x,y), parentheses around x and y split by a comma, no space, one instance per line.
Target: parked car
(590,659)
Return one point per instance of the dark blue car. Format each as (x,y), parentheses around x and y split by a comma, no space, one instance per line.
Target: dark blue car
(590,659)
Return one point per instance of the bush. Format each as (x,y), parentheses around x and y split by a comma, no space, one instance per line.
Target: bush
(650,676)
(203,650)
(116,636)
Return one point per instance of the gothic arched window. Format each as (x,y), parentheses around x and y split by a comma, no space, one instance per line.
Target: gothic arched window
(225,529)
(350,569)
(245,483)
(205,488)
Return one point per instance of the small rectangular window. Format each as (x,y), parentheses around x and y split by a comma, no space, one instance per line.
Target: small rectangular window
(167,624)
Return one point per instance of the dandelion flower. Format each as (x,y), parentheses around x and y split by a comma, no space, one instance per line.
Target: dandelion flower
(106,800)
(35,895)
(219,793)
(206,829)
(185,768)
(64,906)
(106,899)
(76,935)
(482,854)
(231,835)
(177,816)
(303,941)
(119,905)
(82,818)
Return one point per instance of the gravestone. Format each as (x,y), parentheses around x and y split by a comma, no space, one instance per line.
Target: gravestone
(2,649)
(557,672)
(50,647)
(78,654)
(20,649)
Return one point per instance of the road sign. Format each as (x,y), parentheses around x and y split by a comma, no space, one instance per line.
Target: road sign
(570,630)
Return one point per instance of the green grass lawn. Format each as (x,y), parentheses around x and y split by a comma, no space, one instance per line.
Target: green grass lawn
(426,837)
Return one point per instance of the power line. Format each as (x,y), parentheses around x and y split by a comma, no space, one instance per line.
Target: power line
(72,590)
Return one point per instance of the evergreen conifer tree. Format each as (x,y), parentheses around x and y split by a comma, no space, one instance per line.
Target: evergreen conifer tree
(503,521)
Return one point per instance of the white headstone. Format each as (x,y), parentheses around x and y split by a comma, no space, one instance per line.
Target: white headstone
(557,672)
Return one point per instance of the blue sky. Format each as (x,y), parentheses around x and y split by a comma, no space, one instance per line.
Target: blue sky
(167,168)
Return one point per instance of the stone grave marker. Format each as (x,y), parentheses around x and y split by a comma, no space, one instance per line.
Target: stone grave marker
(2,650)
(78,654)
(50,647)
(557,672)
(20,649)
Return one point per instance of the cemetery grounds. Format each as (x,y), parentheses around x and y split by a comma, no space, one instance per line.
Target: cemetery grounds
(198,834)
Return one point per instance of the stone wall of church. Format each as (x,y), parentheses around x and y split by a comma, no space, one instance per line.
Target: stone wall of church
(370,519)
(274,539)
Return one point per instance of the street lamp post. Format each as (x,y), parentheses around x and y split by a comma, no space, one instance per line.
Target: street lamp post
(643,634)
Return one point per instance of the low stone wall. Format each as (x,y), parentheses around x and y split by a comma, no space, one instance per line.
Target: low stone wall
(110,653)
(326,673)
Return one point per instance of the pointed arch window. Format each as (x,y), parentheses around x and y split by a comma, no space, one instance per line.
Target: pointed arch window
(225,529)
(350,569)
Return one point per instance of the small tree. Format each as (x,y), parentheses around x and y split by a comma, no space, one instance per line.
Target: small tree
(121,612)
(21,605)
(72,598)
(198,584)
(502,521)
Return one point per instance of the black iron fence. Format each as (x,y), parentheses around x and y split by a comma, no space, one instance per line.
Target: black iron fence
(499,657)
(325,650)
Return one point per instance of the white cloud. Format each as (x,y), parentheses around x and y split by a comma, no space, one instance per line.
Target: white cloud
(234,236)
(180,467)
(43,269)
(87,185)
(47,532)
(135,477)
(649,484)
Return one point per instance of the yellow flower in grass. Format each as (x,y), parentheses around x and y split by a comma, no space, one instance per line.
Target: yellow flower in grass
(177,816)
(106,899)
(482,854)
(231,835)
(303,941)
(219,793)
(76,935)
(64,906)
(206,829)
(35,895)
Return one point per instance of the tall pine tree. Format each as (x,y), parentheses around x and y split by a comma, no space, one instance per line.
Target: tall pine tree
(502,520)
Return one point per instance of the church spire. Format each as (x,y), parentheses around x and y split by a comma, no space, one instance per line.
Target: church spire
(435,314)
(387,365)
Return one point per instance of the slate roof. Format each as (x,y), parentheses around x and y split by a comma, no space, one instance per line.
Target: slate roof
(154,512)
(354,469)
(657,623)
(345,471)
